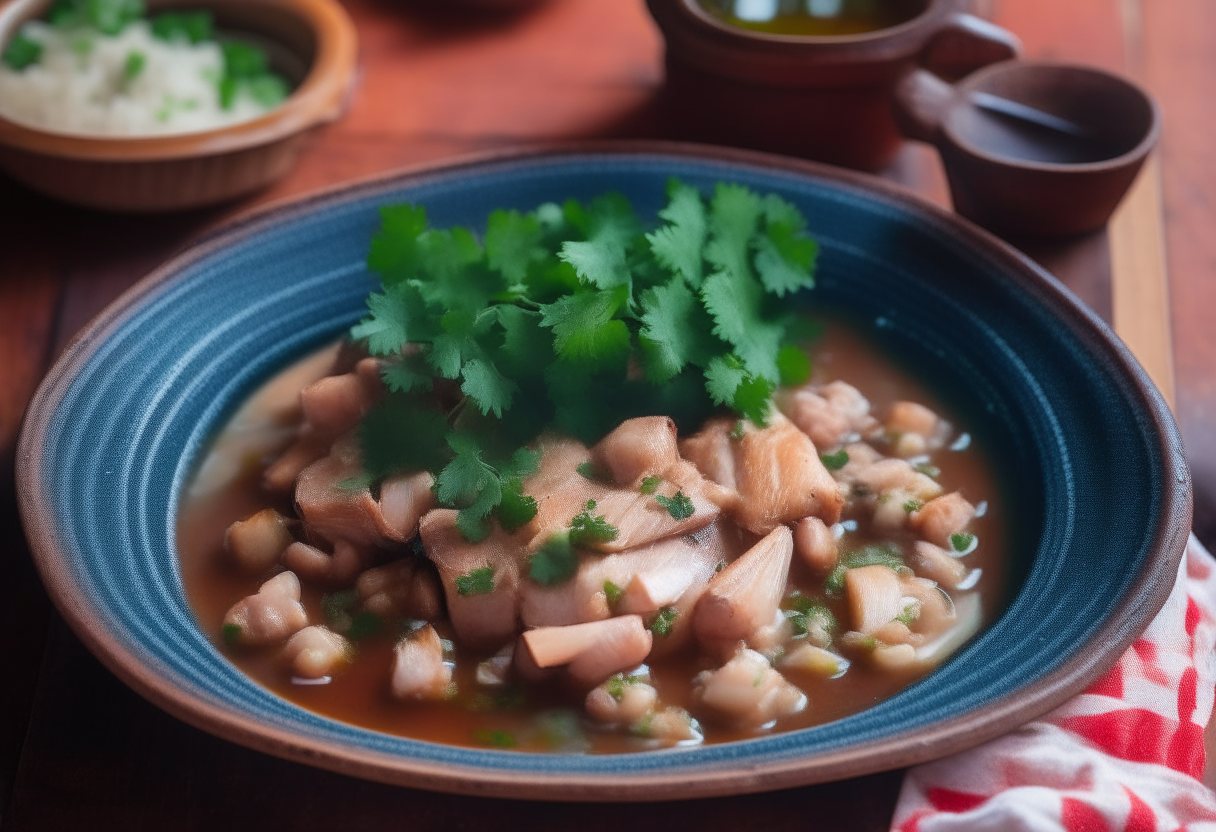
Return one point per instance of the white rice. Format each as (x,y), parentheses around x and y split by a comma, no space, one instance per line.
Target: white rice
(79,85)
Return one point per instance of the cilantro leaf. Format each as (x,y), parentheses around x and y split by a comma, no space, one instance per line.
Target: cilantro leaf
(516,508)
(734,214)
(22,51)
(401,435)
(599,261)
(663,622)
(613,594)
(677,246)
(793,366)
(680,507)
(589,530)
(527,347)
(399,316)
(753,399)
(866,556)
(406,376)
(394,248)
(836,461)
(188,26)
(785,256)
(486,387)
(476,582)
(608,217)
(723,375)
(584,328)
(674,331)
(650,484)
(462,481)
(554,562)
(513,244)
(734,302)
(784,261)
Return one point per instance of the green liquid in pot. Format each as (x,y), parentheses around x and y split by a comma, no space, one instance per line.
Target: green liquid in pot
(816,18)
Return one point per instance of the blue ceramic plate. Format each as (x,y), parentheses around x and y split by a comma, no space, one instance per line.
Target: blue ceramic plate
(1087,444)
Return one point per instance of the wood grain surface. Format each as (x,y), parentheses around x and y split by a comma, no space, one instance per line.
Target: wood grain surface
(80,751)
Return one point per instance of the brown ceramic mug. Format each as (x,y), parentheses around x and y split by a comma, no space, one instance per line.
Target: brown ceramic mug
(1033,150)
(820,97)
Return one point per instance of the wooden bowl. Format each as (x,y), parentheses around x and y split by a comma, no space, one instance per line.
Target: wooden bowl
(1013,176)
(194,169)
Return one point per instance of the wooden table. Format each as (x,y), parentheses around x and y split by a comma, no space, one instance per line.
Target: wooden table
(80,751)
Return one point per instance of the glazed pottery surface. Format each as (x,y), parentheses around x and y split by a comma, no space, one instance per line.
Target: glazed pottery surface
(823,98)
(1018,177)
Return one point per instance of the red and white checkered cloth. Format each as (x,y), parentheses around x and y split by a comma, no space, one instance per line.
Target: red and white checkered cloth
(1126,754)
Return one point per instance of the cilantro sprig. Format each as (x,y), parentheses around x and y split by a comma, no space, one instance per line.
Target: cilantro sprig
(572,318)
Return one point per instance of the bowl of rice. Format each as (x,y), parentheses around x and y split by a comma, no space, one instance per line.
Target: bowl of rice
(177,104)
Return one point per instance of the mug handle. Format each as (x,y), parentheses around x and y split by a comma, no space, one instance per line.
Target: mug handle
(920,101)
(965,43)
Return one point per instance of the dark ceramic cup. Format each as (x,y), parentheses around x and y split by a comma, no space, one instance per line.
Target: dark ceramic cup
(819,97)
(1058,169)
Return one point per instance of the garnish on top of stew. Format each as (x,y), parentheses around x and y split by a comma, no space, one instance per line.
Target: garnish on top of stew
(577,485)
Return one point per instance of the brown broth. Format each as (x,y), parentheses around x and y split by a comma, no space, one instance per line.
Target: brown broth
(814,18)
(359,694)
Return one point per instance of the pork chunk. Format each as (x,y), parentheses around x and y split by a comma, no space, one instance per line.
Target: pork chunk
(745,692)
(481,619)
(269,616)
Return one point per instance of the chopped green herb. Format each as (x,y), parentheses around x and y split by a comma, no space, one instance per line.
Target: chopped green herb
(495,739)
(664,621)
(516,508)
(476,582)
(836,461)
(189,26)
(680,507)
(617,683)
(928,470)
(615,686)
(913,505)
(245,70)
(107,16)
(134,65)
(268,89)
(509,698)
(867,556)
(720,565)
(650,484)
(806,614)
(641,728)
(231,633)
(588,471)
(364,625)
(337,607)
(612,592)
(22,52)
(793,365)
(736,433)
(571,318)
(962,542)
(561,730)
(588,530)
(554,562)
(357,483)
(909,615)
(243,60)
